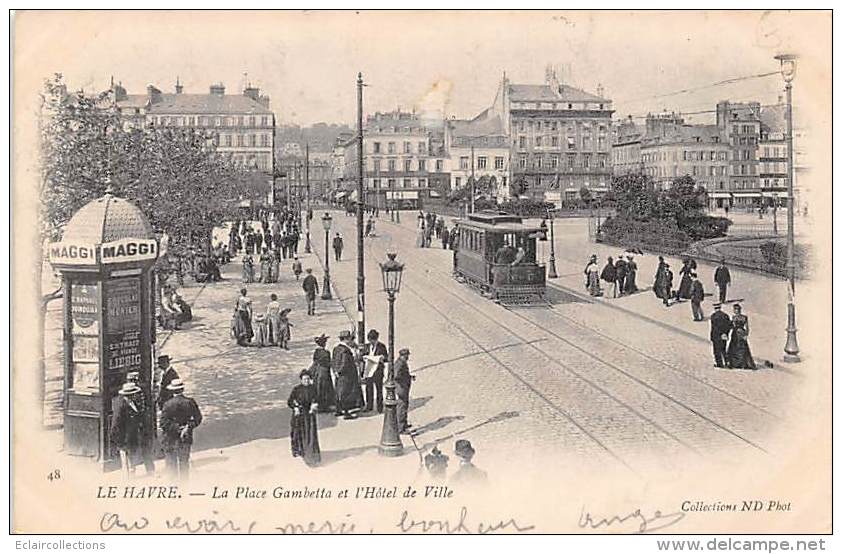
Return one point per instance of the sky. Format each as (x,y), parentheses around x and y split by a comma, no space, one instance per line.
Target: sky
(434,62)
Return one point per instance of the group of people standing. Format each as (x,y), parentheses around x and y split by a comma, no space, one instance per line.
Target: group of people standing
(271,328)
(432,226)
(344,381)
(621,275)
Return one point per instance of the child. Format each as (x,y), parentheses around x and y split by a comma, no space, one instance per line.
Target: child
(296,268)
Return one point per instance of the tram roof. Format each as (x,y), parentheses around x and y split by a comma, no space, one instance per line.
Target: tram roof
(497,221)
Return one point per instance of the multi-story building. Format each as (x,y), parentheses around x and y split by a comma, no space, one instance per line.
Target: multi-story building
(739,123)
(398,160)
(625,150)
(241,126)
(772,155)
(478,147)
(560,138)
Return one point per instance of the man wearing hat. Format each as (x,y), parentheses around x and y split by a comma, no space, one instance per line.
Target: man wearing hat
(168,375)
(179,417)
(127,427)
(468,473)
(720,327)
(403,382)
(722,278)
(349,394)
(374,383)
(311,289)
(697,296)
(322,379)
(337,246)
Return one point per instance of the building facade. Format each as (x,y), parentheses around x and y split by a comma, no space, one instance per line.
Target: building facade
(739,123)
(241,126)
(560,139)
(480,148)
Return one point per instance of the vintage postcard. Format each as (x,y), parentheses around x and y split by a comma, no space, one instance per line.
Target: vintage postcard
(461,272)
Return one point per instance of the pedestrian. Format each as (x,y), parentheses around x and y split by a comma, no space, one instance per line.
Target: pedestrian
(320,371)
(258,241)
(468,474)
(368,227)
(420,238)
(631,275)
(666,286)
(592,277)
(294,237)
(128,427)
(249,242)
(609,275)
(720,326)
(337,246)
(285,332)
(275,266)
(686,280)
(261,330)
(264,266)
(248,269)
(621,268)
(241,328)
(428,236)
(349,394)
(296,268)
(374,380)
(303,433)
(403,382)
(739,353)
(179,417)
(168,375)
(445,237)
(311,289)
(658,286)
(697,296)
(273,320)
(436,463)
(722,278)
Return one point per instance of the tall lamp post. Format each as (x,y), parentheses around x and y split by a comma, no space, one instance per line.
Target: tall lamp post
(360,223)
(551,271)
(390,439)
(791,347)
(307,247)
(326,223)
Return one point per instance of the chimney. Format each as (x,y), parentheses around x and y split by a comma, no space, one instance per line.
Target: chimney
(218,89)
(119,91)
(600,91)
(178,87)
(154,94)
(252,92)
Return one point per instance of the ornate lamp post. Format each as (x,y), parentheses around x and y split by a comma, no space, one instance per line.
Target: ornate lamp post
(326,223)
(788,74)
(390,439)
(551,271)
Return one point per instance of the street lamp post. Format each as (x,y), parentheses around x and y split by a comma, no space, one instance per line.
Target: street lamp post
(390,439)
(326,223)
(791,348)
(307,248)
(551,271)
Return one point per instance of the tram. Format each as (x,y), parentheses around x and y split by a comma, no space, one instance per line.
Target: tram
(496,254)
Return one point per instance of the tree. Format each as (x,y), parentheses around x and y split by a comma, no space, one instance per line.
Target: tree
(585,195)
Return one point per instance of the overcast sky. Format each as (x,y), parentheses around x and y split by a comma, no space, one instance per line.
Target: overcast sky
(435,62)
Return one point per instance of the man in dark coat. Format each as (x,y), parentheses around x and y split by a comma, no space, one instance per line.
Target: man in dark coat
(349,393)
(311,289)
(168,375)
(178,419)
(403,382)
(720,327)
(445,237)
(609,274)
(621,269)
(374,383)
(697,296)
(337,246)
(258,241)
(722,278)
(128,431)
(468,475)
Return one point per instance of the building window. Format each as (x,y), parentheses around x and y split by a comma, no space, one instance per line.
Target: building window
(239,140)
(392,165)
(376,147)
(571,162)
(458,182)
(539,162)
(391,183)
(422,147)
(391,148)
(555,141)
(407,147)
(571,143)
(227,140)
(538,141)
(521,142)
(422,183)
(439,165)
(498,162)
(422,165)
(522,162)
(586,162)
(463,162)
(264,140)
(482,162)
(407,164)
(553,161)
(377,166)
(407,183)
(375,183)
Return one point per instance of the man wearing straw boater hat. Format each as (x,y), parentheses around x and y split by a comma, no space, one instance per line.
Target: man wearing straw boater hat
(127,427)
(179,417)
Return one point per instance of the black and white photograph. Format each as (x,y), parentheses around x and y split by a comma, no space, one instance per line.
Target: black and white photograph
(421,272)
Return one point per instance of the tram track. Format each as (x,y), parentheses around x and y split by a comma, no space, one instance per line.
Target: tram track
(666,396)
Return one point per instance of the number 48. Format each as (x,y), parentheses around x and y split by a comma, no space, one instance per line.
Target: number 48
(54,475)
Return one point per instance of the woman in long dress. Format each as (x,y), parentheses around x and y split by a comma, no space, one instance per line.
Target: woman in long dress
(686,281)
(304,432)
(285,329)
(320,370)
(739,353)
(658,286)
(248,269)
(421,238)
(631,275)
(592,277)
(276,265)
(273,320)
(264,266)
(242,329)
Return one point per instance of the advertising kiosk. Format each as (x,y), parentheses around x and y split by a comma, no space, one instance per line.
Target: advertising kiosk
(105,257)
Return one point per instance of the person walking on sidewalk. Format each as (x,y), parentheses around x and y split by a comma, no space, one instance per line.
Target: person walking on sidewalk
(349,393)
(592,277)
(178,419)
(658,286)
(296,268)
(666,284)
(722,278)
(609,275)
(127,427)
(241,328)
(739,353)
(168,375)
(621,268)
(631,275)
(338,244)
(374,382)
(468,475)
(445,237)
(697,296)
(322,379)
(311,289)
(304,432)
(403,382)
(720,326)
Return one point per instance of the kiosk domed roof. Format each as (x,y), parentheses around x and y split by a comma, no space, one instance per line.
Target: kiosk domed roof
(108,219)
